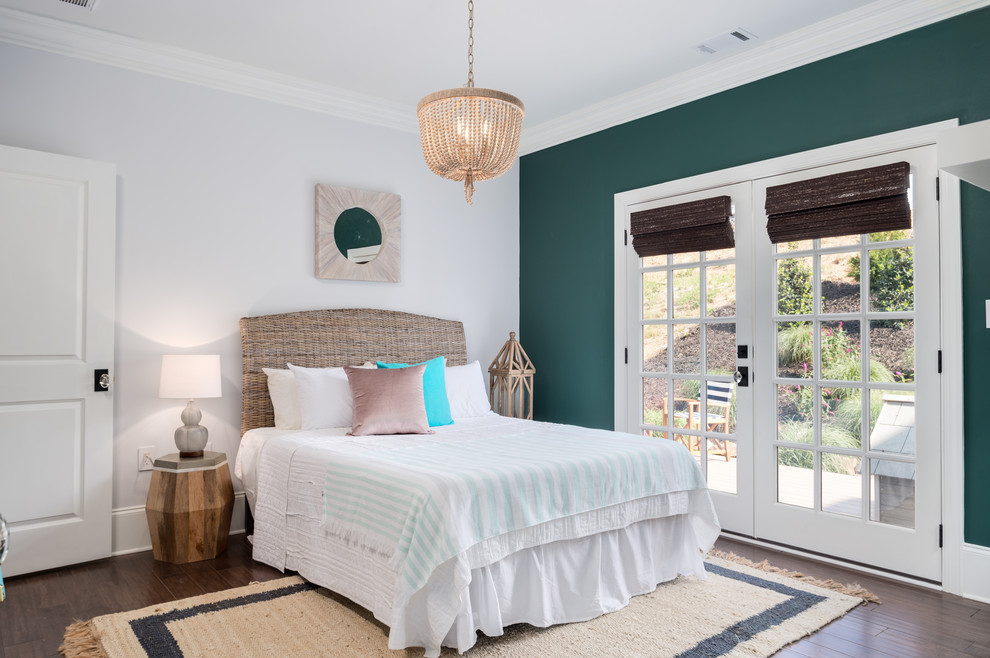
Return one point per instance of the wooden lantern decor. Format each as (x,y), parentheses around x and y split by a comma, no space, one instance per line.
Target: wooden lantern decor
(511,381)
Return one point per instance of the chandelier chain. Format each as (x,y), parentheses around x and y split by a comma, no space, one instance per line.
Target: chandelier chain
(470,82)
(470,134)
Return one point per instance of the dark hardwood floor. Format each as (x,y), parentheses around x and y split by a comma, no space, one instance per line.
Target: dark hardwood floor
(39,606)
(911,621)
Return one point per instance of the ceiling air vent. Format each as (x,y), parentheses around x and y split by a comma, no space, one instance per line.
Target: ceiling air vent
(726,42)
(86,4)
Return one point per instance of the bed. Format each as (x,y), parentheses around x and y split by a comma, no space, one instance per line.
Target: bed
(590,518)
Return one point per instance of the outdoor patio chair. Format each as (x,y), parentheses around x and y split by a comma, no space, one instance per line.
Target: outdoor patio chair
(719,398)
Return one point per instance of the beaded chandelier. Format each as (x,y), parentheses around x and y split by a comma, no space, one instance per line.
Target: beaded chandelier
(470,134)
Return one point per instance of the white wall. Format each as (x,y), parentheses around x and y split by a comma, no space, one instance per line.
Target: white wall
(215,221)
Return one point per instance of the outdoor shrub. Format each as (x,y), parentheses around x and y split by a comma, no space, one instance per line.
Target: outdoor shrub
(793,287)
(891,274)
(794,344)
(840,356)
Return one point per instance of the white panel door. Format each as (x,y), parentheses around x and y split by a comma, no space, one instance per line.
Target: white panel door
(848,416)
(57,232)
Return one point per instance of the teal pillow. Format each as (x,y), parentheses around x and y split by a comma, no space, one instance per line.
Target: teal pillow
(434,389)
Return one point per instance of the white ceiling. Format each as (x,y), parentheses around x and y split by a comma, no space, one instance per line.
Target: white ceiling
(561,57)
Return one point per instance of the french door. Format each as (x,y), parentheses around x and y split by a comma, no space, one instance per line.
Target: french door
(848,410)
(692,312)
(834,444)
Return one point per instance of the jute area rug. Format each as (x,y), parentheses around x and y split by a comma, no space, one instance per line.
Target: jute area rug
(742,609)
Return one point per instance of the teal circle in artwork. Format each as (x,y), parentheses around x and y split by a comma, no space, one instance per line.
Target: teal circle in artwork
(358,235)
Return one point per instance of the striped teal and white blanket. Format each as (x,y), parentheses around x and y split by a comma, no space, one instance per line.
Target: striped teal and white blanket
(422,504)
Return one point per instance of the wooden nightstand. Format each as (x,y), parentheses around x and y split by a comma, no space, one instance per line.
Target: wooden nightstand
(190,503)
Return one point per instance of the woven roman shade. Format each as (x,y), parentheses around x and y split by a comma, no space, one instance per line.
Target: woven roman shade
(694,226)
(863,201)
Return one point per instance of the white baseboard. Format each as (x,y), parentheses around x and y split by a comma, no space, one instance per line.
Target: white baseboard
(130,527)
(976,572)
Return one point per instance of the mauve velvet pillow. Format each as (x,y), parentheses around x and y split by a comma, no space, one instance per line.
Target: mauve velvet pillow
(388,401)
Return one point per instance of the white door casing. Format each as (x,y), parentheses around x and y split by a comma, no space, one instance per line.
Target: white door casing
(57,235)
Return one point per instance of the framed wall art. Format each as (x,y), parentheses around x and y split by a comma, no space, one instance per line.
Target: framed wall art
(358,235)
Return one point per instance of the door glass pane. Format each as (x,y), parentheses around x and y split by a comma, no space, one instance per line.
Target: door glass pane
(721,254)
(842,484)
(795,413)
(687,293)
(655,261)
(840,289)
(654,401)
(686,403)
(794,286)
(655,295)
(795,350)
(841,241)
(842,417)
(687,348)
(720,287)
(892,279)
(692,443)
(719,405)
(889,236)
(689,257)
(841,358)
(892,422)
(796,477)
(892,492)
(892,351)
(722,465)
(654,348)
(801,245)
(720,348)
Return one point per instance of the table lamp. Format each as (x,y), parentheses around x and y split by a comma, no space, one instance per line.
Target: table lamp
(190,376)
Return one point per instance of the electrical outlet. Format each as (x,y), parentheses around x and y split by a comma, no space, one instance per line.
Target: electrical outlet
(146,458)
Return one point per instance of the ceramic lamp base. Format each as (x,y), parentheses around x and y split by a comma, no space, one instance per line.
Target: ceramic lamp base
(191,438)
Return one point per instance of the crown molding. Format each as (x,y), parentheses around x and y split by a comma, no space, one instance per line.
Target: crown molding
(874,22)
(43,33)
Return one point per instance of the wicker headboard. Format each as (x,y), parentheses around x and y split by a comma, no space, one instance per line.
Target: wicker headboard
(336,337)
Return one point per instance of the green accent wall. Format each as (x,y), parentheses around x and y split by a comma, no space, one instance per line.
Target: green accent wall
(566,205)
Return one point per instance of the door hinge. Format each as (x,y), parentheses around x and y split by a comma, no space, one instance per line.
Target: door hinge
(937,186)
(940,535)
(940,362)
(625,237)
(627,355)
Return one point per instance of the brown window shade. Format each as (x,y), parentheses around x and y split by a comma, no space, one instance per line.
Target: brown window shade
(863,201)
(693,226)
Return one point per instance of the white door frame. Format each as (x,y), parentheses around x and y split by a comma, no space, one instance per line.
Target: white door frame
(951,294)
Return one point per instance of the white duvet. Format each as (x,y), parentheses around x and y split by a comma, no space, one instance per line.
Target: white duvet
(668,525)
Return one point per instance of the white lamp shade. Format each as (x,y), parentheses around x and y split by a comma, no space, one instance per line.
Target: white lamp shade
(190,376)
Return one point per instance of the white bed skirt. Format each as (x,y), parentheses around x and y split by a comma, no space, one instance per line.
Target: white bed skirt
(564,581)
(575,580)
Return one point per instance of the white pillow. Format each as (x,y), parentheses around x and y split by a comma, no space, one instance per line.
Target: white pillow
(466,391)
(324,397)
(282,391)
